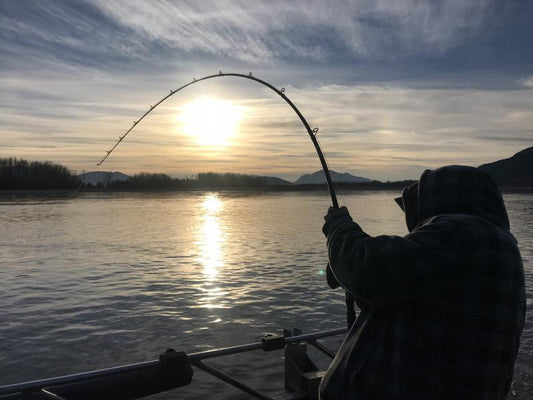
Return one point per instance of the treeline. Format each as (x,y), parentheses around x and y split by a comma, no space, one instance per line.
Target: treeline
(147,181)
(230,180)
(214,180)
(20,174)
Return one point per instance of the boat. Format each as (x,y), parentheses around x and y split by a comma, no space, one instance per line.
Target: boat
(175,369)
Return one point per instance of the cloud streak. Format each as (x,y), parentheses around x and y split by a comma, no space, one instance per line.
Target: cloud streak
(265,31)
(256,33)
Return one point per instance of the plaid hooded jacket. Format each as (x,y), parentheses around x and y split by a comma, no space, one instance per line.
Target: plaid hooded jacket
(443,307)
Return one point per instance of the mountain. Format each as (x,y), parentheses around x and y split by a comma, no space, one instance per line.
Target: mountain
(104,177)
(319,177)
(514,171)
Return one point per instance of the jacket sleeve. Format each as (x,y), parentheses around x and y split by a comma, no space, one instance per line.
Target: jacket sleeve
(389,269)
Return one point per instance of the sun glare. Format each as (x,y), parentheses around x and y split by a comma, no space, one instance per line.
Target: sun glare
(210,121)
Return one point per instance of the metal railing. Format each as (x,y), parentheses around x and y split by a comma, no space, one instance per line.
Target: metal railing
(170,371)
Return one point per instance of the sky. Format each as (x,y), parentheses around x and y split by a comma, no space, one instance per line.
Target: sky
(394,86)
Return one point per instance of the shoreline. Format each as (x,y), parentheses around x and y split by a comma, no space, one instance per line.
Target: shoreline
(260,189)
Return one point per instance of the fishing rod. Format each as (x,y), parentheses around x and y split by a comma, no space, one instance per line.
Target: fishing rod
(281,92)
(350,309)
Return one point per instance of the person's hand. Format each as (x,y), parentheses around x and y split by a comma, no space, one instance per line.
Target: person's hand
(334,212)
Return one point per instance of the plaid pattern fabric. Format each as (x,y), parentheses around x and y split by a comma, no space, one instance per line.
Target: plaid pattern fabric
(444,306)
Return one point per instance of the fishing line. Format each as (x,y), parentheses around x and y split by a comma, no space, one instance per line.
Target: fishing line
(281,92)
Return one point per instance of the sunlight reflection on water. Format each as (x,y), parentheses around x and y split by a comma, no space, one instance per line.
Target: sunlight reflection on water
(210,239)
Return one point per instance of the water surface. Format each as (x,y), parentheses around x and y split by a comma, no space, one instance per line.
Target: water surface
(115,278)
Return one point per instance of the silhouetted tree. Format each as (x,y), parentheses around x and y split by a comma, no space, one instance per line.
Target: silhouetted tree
(20,174)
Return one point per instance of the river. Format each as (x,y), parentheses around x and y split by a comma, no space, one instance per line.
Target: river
(105,279)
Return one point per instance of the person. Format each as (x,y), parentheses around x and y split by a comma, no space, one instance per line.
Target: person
(442,308)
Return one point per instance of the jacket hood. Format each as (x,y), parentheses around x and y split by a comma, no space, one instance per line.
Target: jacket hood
(456,190)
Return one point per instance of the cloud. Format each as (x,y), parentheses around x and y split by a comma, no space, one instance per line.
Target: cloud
(62,30)
(256,33)
(361,40)
(395,126)
(261,32)
(527,82)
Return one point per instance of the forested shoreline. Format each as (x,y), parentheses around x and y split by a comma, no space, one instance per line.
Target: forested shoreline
(147,181)
(23,175)
(19,174)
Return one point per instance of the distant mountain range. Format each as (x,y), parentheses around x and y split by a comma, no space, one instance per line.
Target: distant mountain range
(514,171)
(319,177)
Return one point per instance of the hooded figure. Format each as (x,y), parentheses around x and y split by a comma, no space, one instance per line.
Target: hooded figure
(442,308)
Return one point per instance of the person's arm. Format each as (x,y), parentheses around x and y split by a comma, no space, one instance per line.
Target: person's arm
(387,269)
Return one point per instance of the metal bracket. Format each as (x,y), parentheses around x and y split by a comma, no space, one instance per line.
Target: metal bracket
(273,342)
(302,376)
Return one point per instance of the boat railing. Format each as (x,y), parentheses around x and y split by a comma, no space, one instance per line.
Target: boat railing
(174,369)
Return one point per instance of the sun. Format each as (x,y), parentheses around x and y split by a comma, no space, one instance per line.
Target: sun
(212,122)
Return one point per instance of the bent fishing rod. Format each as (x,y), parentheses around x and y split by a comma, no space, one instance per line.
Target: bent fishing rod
(350,312)
(281,92)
